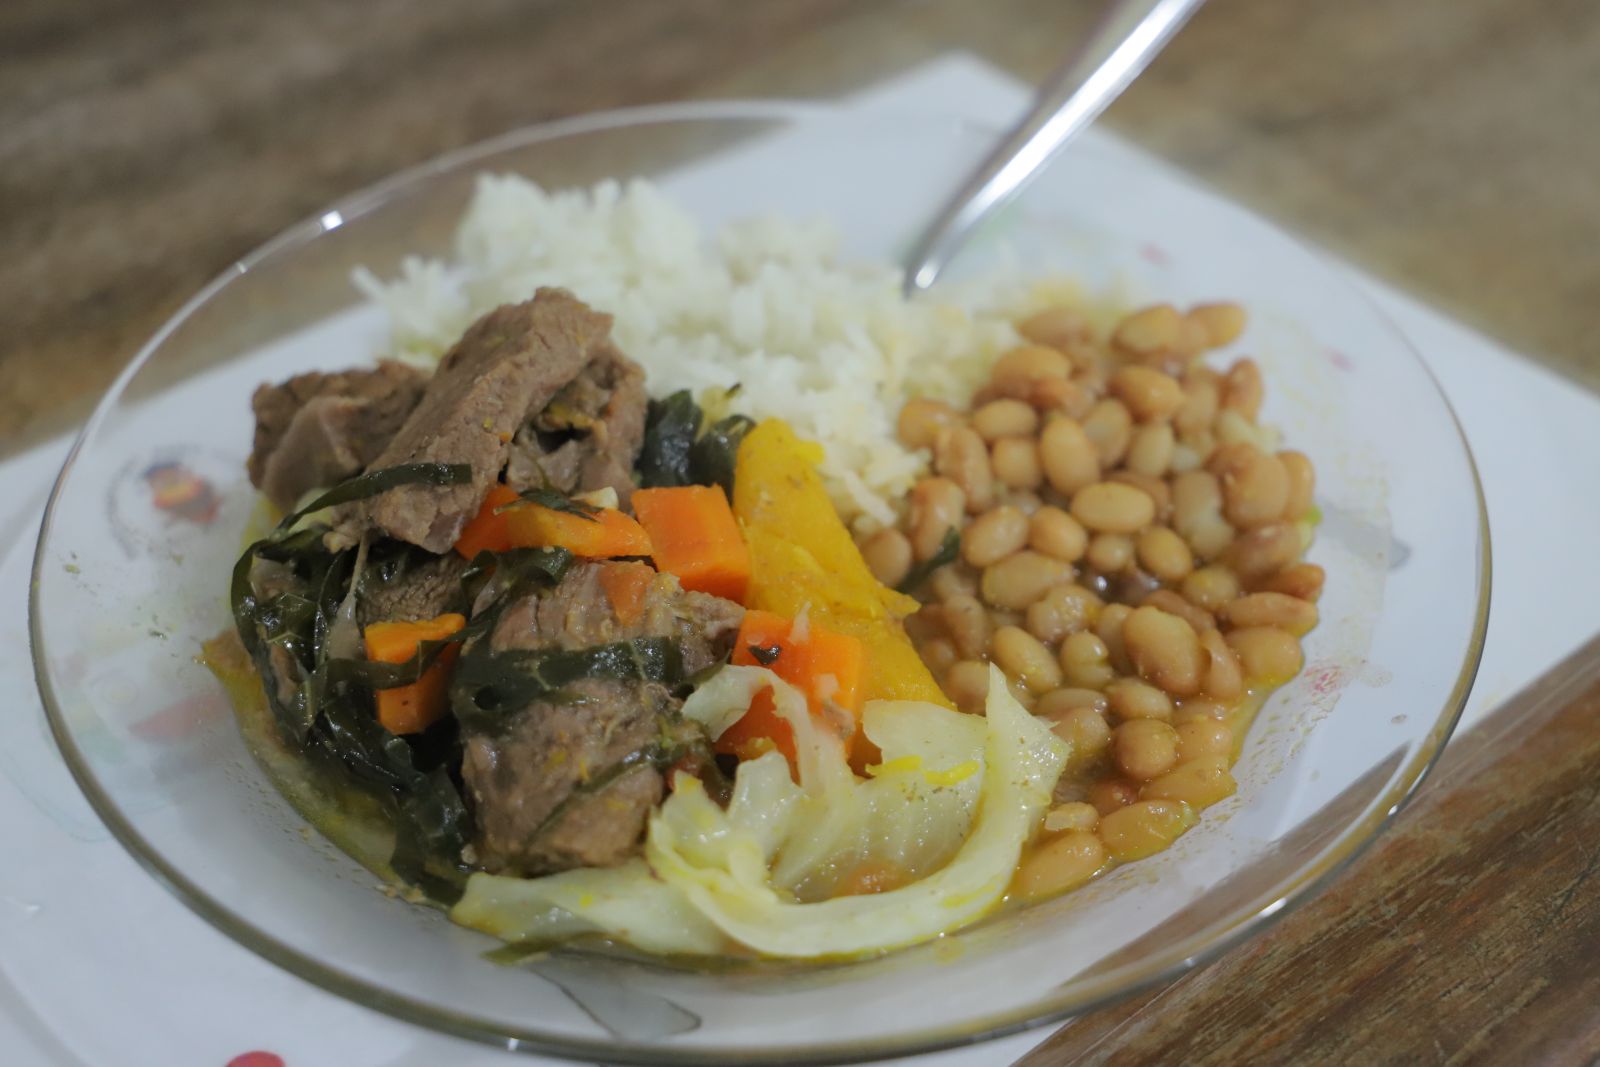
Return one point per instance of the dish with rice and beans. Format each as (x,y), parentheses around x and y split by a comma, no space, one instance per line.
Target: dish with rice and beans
(708,598)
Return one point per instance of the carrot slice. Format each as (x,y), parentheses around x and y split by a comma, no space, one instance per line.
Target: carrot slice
(605,533)
(412,708)
(694,535)
(625,585)
(601,535)
(825,666)
(487,531)
(763,641)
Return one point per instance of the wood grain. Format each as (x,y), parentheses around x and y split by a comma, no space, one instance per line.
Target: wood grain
(146,144)
(1446,145)
(1469,934)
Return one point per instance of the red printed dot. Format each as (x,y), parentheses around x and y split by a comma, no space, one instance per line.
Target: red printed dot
(1154,253)
(257,1059)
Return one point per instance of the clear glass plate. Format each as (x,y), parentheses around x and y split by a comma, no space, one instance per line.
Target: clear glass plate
(145,522)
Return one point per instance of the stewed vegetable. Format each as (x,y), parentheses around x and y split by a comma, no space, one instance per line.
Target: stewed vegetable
(610,666)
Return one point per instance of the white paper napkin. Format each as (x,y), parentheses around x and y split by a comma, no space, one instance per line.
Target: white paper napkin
(101,966)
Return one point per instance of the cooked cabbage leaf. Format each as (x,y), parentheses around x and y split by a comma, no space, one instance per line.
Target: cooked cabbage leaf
(623,903)
(950,807)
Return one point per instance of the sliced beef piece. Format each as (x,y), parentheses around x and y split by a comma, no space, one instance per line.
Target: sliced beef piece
(578,614)
(588,437)
(315,430)
(555,789)
(270,579)
(508,364)
(530,465)
(570,782)
(411,588)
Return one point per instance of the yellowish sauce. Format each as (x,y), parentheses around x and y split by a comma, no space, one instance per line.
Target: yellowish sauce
(1239,720)
(345,814)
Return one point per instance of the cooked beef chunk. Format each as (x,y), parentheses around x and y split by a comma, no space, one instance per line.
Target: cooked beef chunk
(411,588)
(577,614)
(557,789)
(588,436)
(315,430)
(269,580)
(508,364)
(570,781)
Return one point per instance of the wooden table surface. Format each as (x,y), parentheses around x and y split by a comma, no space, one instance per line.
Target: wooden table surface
(1449,146)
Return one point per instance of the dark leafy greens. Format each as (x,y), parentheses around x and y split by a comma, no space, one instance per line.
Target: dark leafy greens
(949,550)
(330,716)
(677,452)
(555,501)
(494,579)
(487,684)
(370,484)
(288,543)
(766,655)
(670,429)
(296,596)
(711,459)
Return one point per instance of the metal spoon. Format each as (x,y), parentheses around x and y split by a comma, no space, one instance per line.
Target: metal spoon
(1120,47)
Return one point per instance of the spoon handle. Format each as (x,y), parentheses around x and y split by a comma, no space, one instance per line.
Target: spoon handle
(1128,36)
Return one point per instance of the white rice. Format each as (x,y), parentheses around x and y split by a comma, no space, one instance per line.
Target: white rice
(832,348)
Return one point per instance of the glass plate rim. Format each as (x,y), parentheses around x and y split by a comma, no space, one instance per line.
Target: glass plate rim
(1202,947)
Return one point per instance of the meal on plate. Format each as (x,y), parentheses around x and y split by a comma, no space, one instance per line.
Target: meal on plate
(708,598)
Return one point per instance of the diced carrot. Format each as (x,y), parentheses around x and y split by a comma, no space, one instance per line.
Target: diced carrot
(763,639)
(396,642)
(487,531)
(625,585)
(834,666)
(412,708)
(825,666)
(694,535)
(604,534)
(759,731)
(498,527)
